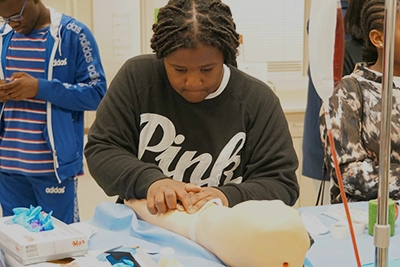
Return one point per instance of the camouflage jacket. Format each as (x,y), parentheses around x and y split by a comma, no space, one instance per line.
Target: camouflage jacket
(356,132)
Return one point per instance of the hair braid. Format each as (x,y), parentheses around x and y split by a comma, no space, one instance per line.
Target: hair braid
(372,18)
(185,23)
(352,19)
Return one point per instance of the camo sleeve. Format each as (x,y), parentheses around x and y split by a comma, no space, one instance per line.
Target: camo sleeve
(357,165)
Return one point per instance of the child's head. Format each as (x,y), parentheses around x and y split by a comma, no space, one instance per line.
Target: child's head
(373,23)
(185,24)
(22,15)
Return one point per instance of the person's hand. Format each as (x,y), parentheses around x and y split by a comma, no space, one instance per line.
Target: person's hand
(21,86)
(2,82)
(199,199)
(164,195)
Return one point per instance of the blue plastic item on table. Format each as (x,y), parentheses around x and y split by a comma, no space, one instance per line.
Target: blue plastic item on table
(32,219)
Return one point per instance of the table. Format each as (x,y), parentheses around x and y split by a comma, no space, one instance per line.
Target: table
(118,225)
(329,252)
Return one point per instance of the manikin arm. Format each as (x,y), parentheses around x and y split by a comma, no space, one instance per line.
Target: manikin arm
(252,233)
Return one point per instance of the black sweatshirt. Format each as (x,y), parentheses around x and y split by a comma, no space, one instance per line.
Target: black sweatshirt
(238,141)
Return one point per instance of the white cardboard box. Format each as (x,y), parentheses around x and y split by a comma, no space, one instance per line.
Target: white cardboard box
(28,247)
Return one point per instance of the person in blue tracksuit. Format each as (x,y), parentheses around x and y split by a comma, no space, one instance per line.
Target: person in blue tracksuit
(51,73)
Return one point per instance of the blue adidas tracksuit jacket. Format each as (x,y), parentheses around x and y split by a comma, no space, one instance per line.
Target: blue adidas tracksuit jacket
(75,82)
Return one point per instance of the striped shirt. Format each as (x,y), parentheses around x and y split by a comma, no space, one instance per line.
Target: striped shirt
(23,148)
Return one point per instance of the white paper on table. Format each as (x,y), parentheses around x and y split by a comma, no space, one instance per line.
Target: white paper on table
(85,228)
(313,225)
(338,213)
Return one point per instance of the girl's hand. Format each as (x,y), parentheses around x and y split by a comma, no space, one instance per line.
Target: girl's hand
(164,195)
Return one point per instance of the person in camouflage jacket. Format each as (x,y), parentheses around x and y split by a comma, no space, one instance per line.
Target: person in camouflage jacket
(355,111)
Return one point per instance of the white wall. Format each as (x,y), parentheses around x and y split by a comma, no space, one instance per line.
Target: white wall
(81,9)
(116,26)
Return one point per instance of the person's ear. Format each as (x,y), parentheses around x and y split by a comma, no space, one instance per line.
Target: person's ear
(376,38)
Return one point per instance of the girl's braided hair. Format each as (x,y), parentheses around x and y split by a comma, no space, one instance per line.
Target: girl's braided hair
(372,18)
(185,23)
(352,19)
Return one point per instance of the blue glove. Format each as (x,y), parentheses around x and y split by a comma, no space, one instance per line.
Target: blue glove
(122,257)
(124,263)
(32,219)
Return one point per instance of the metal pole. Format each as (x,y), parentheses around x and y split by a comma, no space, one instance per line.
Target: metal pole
(382,228)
